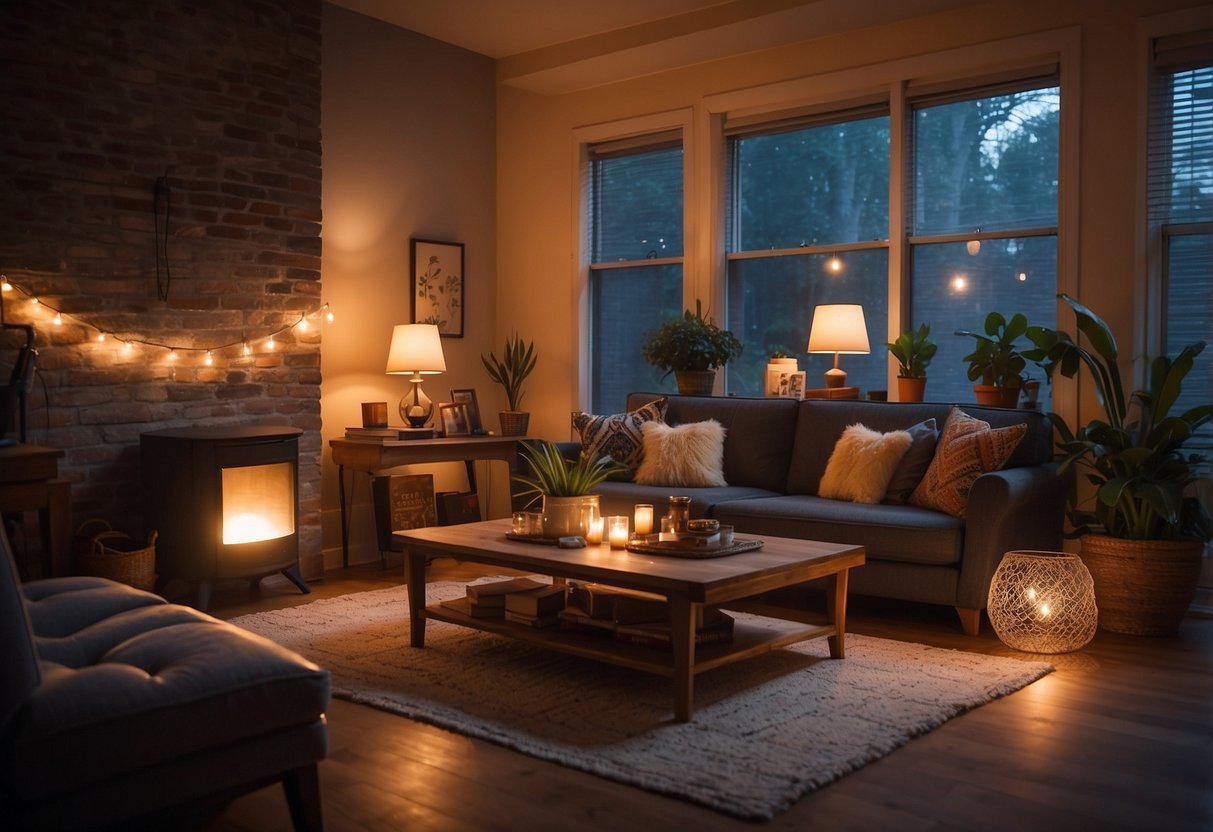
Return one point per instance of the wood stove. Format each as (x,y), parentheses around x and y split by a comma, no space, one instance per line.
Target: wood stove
(225,503)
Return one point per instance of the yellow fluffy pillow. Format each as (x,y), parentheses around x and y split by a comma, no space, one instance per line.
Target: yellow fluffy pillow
(967,449)
(862,464)
(690,455)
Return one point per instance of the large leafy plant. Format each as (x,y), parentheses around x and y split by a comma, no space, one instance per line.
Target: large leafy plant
(1134,456)
(516,363)
(997,360)
(551,474)
(913,350)
(691,342)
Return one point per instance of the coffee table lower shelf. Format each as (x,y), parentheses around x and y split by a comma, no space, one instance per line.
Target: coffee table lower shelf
(748,640)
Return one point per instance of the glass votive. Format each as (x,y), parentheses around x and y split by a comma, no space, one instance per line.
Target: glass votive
(518,523)
(534,523)
(726,535)
(644,518)
(593,535)
(617,532)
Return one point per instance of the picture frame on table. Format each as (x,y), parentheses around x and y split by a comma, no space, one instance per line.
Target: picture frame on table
(453,416)
(436,285)
(796,385)
(468,396)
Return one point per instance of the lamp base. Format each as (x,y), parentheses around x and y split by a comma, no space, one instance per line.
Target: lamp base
(836,377)
(416,408)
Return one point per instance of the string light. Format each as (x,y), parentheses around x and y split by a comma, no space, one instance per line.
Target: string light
(302,325)
(834,264)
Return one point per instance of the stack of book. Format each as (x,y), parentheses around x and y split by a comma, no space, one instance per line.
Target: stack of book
(488,600)
(535,607)
(382,435)
(633,617)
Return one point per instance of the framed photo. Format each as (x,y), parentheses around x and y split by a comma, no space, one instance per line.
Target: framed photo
(468,397)
(454,418)
(796,385)
(436,285)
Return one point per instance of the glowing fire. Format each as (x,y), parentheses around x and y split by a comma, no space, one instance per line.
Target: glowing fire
(258,503)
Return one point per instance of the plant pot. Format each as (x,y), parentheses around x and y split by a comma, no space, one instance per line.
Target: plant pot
(695,382)
(1142,587)
(514,422)
(991,396)
(567,516)
(911,389)
(1031,395)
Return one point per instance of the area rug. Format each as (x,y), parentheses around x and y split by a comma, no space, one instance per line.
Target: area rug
(765,731)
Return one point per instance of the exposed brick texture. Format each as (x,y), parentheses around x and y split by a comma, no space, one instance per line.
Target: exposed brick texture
(222,100)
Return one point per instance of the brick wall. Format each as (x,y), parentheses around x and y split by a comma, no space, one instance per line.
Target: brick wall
(220,101)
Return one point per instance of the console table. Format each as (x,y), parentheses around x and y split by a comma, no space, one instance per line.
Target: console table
(29,480)
(363,455)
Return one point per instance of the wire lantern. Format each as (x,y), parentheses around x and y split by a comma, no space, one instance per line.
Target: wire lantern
(1043,602)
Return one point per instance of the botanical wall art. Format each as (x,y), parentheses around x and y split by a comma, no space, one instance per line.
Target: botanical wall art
(437,285)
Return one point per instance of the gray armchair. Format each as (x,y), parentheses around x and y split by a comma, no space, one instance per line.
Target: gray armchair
(116,706)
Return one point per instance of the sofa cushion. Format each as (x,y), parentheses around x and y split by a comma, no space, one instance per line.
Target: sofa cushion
(862,464)
(887,533)
(618,435)
(820,422)
(913,465)
(758,449)
(689,455)
(967,448)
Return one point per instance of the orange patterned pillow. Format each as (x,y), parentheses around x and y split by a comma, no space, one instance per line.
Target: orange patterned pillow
(967,449)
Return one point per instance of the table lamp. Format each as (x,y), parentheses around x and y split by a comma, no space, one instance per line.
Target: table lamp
(416,349)
(838,328)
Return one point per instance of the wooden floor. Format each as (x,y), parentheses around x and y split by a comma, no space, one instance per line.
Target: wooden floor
(1120,737)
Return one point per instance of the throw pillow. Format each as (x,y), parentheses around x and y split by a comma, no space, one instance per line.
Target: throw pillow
(690,455)
(913,466)
(967,449)
(862,463)
(618,435)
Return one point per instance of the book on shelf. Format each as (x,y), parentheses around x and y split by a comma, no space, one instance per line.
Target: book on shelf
(493,594)
(624,606)
(467,607)
(546,620)
(543,601)
(402,501)
(717,628)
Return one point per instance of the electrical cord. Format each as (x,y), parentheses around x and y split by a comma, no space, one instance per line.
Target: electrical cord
(161,192)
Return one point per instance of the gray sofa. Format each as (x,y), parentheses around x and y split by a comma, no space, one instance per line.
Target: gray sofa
(120,710)
(776,451)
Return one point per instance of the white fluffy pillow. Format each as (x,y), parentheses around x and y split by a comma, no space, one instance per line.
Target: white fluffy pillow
(690,455)
(862,464)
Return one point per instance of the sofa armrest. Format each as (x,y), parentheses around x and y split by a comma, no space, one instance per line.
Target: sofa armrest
(1018,508)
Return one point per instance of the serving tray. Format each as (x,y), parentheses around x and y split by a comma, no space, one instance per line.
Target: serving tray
(680,550)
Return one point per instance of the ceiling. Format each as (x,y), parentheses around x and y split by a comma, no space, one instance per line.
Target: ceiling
(557,46)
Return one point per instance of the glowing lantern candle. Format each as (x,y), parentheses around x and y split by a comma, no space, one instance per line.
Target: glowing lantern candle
(644,519)
(617,531)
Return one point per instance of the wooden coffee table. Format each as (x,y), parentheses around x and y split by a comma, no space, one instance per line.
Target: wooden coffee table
(687,583)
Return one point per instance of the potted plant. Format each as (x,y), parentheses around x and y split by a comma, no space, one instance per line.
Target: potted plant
(562,484)
(996,364)
(1143,538)
(913,350)
(516,363)
(691,347)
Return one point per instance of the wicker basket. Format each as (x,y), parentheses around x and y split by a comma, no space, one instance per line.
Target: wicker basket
(514,422)
(1142,587)
(119,557)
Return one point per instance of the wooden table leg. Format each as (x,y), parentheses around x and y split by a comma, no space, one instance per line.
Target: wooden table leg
(682,633)
(416,577)
(836,614)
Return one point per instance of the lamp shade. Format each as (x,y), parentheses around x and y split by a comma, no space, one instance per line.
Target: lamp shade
(839,328)
(416,348)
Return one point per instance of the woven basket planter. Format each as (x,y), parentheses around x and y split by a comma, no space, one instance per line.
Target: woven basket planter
(1142,587)
(514,422)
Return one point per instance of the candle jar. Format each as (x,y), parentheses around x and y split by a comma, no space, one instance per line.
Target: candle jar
(593,534)
(617,531)
(644,518)
(519,524)
(680,512)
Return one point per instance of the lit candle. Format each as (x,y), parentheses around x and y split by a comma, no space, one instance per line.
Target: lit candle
(617,530)
(644,519)
(594,533)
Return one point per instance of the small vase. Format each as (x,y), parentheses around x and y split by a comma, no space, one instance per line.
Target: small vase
(568,516)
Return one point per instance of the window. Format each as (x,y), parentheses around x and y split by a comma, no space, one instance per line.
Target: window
(983,219)
(636,220)
(1180,175)
(808,225)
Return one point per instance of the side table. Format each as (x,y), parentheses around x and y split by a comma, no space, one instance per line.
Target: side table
(29,481)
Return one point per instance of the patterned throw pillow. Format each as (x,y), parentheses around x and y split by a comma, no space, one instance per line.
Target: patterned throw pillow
(862,463)
(689,456)
(967,449)
(618,436)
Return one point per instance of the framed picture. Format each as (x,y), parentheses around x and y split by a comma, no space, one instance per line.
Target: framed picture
(454,418)
(437,285)
(468,397)
(796,385)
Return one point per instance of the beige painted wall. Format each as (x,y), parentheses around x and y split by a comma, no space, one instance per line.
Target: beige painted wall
(409,129)
(536,169)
